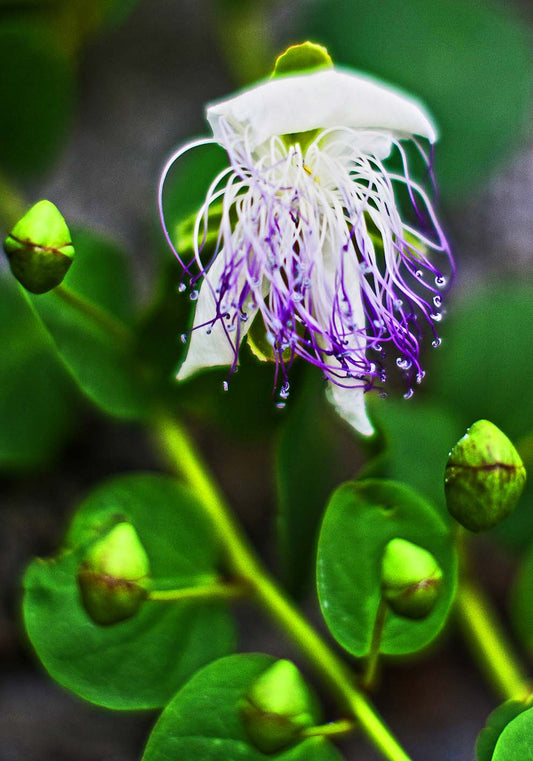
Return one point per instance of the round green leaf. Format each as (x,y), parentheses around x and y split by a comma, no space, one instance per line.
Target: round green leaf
(101,361)
(469,62)
(36,392)
(138,663)
(361,518)
(202,723)
(37,93)
(496,723)
(515,742)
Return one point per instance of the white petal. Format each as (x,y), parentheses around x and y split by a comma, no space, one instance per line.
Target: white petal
(322,99)
(349,403)
(216,348)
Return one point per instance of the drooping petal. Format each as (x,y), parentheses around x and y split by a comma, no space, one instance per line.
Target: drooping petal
(211,344)
(321,99)
(349,403)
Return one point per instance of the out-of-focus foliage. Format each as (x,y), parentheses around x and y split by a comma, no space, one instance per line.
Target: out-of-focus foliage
(101,361)
(470,62)
(35,402)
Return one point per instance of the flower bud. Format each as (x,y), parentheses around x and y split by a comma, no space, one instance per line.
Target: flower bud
(484,477)
(277,708)
(113,578)
(39,248)
(410,579)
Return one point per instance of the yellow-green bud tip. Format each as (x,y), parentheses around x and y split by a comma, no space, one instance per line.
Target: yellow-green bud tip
(278,706)
(484,477)
(410,579)
(39,248)
(308,56)
(114,576)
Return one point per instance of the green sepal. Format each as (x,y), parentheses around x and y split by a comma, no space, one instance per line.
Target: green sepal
(307,56)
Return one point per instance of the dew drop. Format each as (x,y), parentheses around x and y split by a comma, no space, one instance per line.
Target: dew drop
(437,301)
(440,281)
(420,376)
(436,316)
(280,405)
(436,343)
(383,395)
(182,287)
(193,295)
(419,274)
(183,338)
(244,316)
(408,394)
(225,385)
(208,331)
(397,304)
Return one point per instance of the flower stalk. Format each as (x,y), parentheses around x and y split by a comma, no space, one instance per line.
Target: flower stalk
(182,457)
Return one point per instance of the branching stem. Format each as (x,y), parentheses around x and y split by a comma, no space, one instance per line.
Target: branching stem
(184,460)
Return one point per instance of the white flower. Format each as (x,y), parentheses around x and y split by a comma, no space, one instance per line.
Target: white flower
(311,240)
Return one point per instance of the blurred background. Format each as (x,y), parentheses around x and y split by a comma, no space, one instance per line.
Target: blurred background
(94,96)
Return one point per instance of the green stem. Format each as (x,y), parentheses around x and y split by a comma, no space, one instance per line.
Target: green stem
(332,729)
(184,460)
(110,324)
(369,676)
(215,591)
(489,643)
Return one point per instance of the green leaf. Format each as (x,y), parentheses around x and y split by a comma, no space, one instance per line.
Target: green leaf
(307,467)
(101,361)
(361,518)
(483,370)
(417,437)
(202,722)
(469,62)
(496,723)
(521,596)
(35,403)
(37,92)
(140,662)
(516,740)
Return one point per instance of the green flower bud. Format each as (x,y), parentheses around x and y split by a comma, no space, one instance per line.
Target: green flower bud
(277,708)
(308,56)
(484,477)
(113,579)
(39,248)
(410,579)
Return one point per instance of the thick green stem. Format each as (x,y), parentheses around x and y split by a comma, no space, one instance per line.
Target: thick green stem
(214,591)
(489,644)
(111,325)
(184,460)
